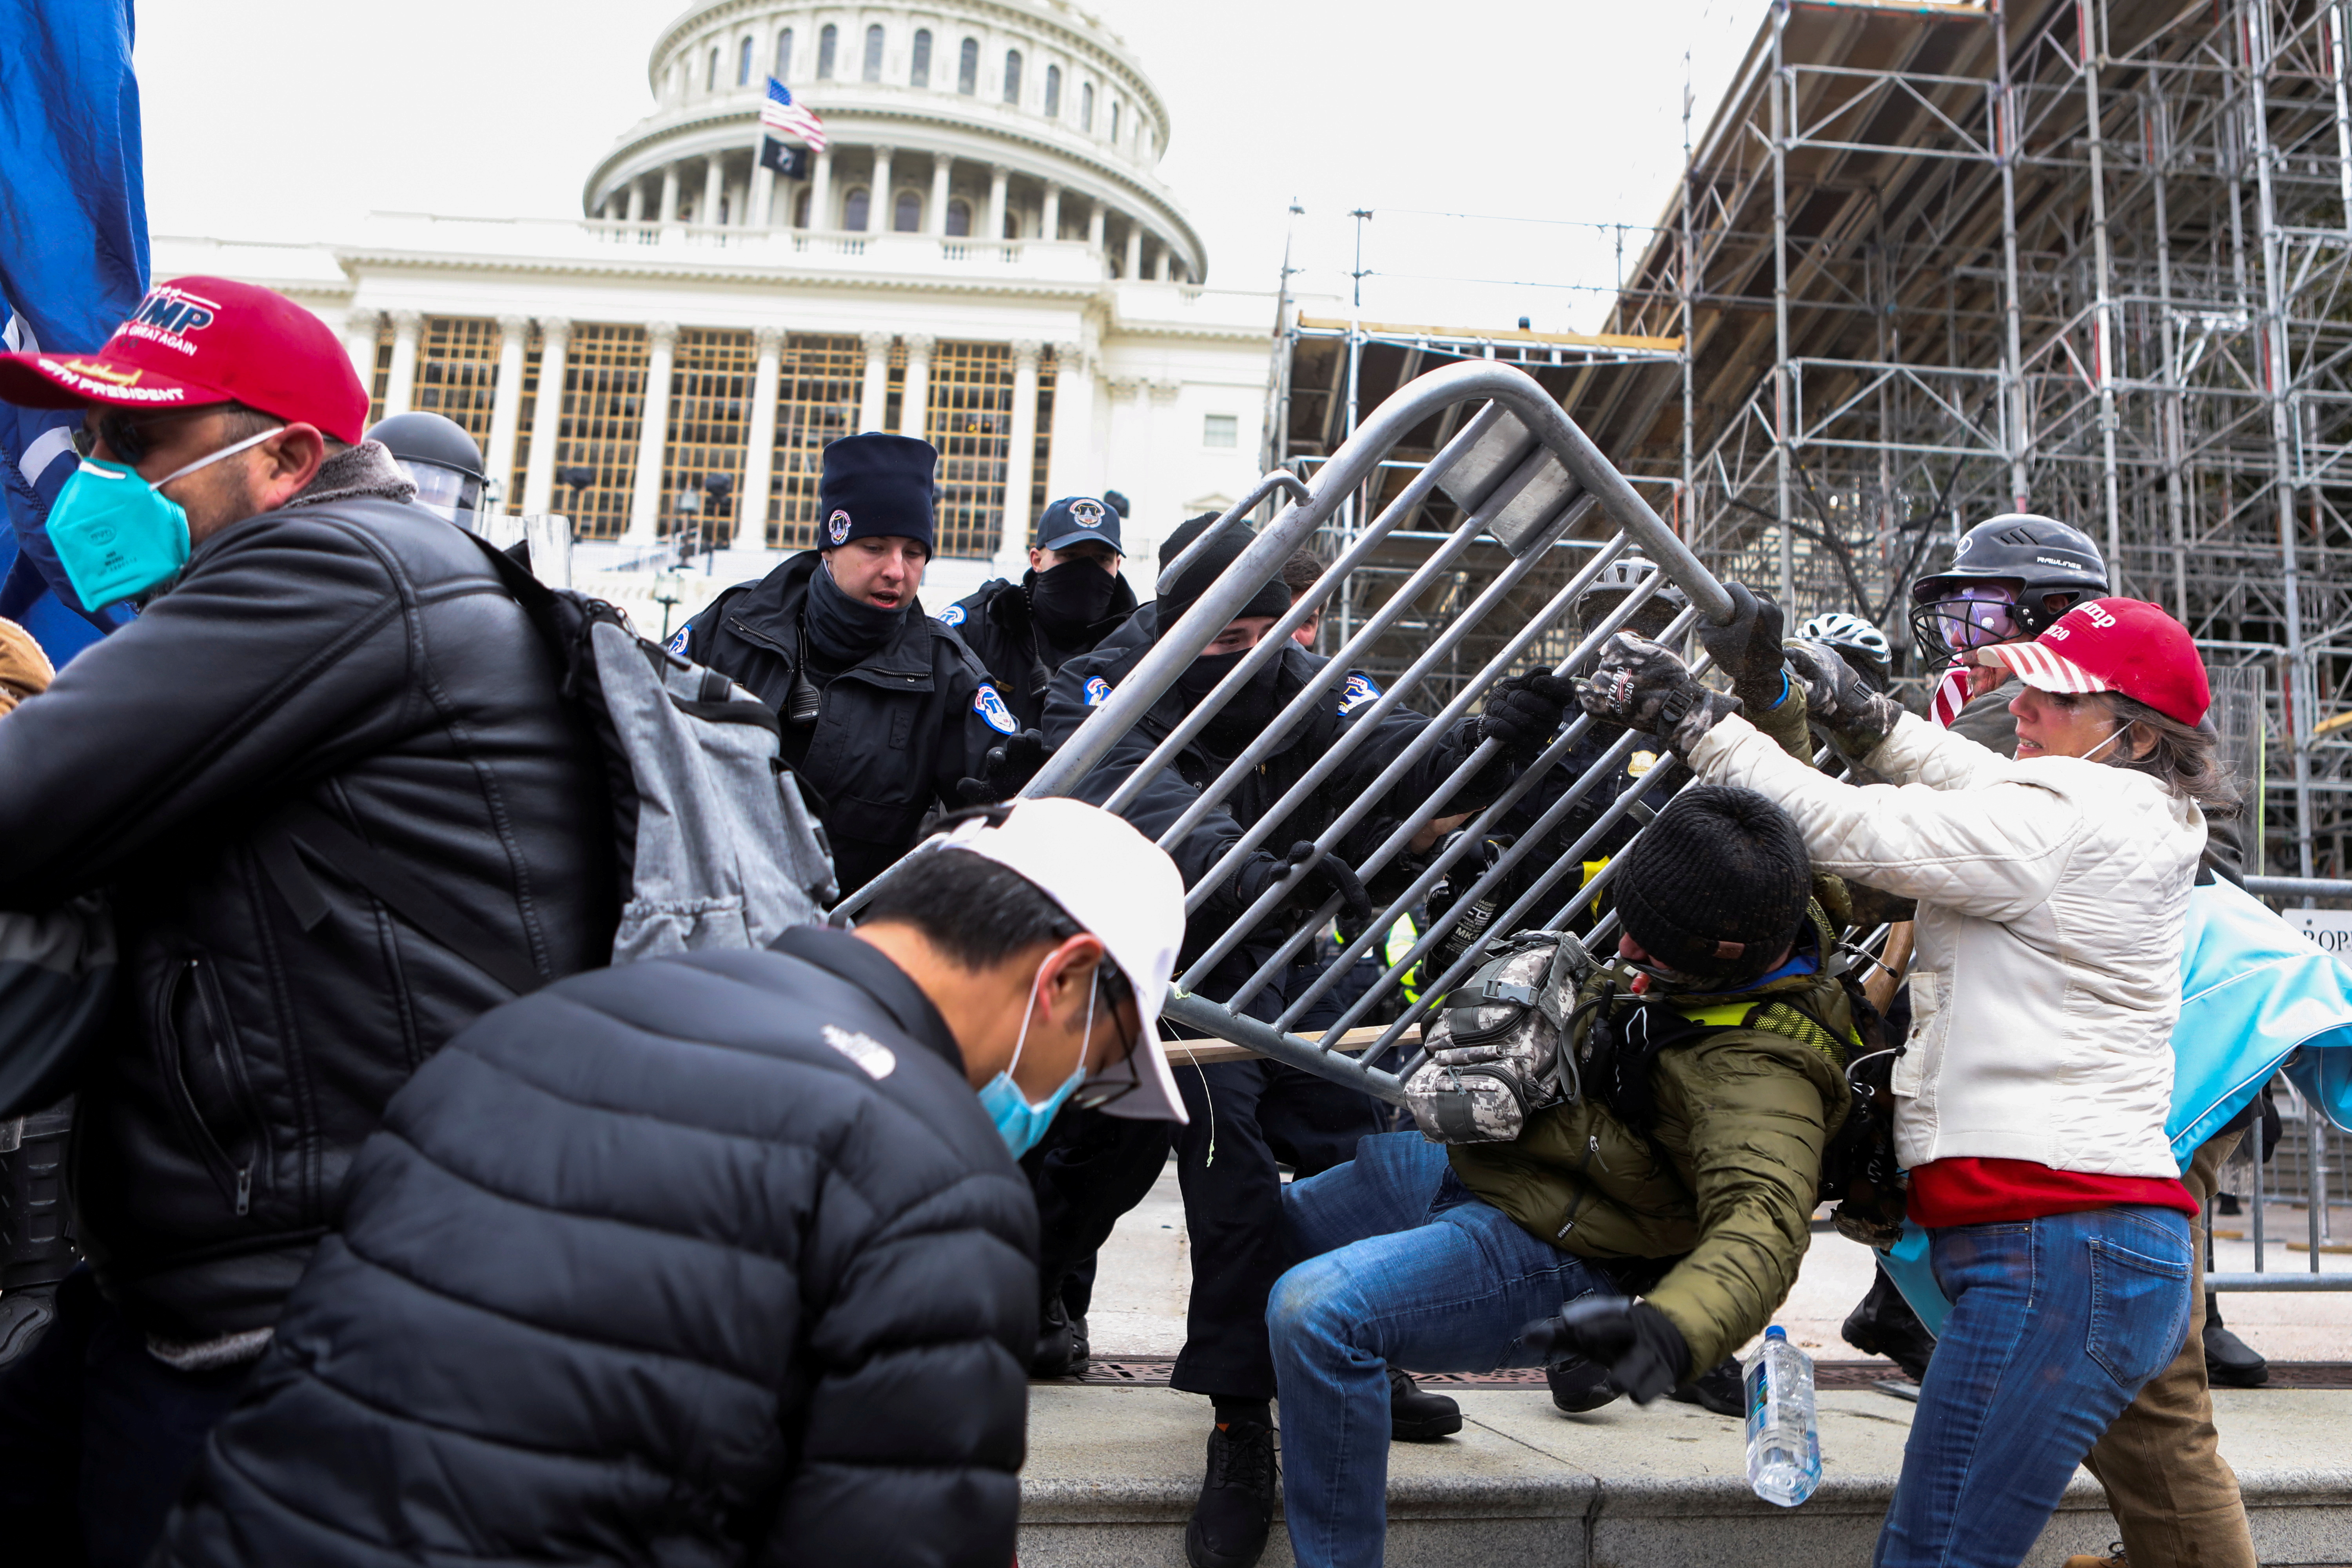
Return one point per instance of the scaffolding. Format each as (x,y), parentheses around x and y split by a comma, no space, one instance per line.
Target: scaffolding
(1930,262)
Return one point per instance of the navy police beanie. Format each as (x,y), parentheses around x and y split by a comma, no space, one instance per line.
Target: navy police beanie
(1271,599)
(876,485)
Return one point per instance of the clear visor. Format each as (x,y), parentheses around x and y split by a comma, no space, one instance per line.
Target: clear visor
(444,490)
(1978,615)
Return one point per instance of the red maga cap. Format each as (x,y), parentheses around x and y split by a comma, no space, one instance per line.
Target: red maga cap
(2114,645)
(198,341)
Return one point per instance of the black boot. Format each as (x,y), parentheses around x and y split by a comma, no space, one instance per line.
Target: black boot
(1884,1324)
(1722,1389)
(1082,1350)
(1055,1353)
(1236,1507)
(1416,1416)
(36,1246)
(2231,1362)
(1578,1386)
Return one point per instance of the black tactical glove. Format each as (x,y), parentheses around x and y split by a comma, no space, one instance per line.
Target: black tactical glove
(1007,769)
(1856,718)
(1644,1352)
(1310,876)
(1748,648)
(1642,687)
(1524,712)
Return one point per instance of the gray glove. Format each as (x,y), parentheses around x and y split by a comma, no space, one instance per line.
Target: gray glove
(1856,718)
(1642,687)
(1747,649)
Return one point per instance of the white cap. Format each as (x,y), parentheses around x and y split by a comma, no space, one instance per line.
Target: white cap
(1117,884)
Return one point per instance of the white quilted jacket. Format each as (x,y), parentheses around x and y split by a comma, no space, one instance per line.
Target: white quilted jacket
(2053,895)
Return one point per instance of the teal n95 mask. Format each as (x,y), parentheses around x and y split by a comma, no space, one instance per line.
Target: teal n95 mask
(117,535)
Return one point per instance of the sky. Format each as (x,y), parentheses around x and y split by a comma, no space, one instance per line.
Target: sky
(290,120)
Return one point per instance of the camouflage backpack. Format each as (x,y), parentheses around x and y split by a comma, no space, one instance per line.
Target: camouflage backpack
(1493,1052)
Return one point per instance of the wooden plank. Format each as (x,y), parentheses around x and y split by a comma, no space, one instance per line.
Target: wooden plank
(1208,1053)
(1495,335)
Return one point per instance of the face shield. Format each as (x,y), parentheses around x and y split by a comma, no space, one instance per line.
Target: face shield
(455,495)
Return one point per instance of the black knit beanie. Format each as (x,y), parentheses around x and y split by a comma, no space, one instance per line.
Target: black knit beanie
(1271,599)
(1716,886)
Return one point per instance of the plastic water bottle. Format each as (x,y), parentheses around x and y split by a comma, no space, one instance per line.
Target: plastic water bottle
(1784,1435)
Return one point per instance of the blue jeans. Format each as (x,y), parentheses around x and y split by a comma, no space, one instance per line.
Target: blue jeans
(1405,1267)
(2055,1324)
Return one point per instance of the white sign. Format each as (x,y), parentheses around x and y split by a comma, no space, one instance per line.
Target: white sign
(2331,928)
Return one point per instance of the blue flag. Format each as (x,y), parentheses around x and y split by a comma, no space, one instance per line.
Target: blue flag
(73,264)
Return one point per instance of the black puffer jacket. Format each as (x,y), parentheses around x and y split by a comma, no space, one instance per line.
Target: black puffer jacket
(999,624)
(898,730)
(700,1287)
(356,654)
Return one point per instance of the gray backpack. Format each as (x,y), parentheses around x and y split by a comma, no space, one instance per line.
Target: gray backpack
(1494,1056)
(714,845)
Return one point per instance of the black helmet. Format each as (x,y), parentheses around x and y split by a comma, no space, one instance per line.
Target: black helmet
(2041,556)
(442,459)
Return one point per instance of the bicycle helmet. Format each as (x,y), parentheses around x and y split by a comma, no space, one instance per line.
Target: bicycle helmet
(1624,575)
(2042,568)
(1852,637)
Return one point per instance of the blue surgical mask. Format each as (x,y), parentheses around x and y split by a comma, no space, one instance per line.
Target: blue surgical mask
(119,536)
(1018,1122)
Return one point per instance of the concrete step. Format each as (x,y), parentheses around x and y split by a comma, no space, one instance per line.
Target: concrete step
(1113,1472)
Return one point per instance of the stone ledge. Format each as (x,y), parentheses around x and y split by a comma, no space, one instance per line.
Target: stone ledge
(1113,1473)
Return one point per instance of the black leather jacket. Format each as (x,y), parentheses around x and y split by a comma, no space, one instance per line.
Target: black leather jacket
(356,654)
(897,730)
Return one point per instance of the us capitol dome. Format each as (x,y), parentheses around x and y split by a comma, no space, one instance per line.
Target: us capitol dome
(981,254)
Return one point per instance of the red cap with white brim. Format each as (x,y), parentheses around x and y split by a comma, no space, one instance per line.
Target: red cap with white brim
(2114,645)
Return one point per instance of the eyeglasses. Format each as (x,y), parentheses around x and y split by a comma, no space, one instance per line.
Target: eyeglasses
(125,437)
(1118,1081)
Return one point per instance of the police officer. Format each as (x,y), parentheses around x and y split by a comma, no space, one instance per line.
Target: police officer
(887,714)
(1263,1112)
(1071,597)
(441,460)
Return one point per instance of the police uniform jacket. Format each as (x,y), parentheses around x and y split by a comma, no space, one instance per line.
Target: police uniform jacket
(1085,683)
(899,729)
(998,624)
(710,1259)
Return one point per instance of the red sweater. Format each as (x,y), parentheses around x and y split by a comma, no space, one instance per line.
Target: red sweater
(1986,1192)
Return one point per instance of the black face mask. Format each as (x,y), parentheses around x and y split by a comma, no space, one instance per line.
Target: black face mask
(844,630)
(1069,598)
(1247,715)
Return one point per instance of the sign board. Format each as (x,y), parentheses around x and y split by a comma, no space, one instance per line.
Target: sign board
(2331,928)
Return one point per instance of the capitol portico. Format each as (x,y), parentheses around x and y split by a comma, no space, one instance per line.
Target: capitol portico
(981,256)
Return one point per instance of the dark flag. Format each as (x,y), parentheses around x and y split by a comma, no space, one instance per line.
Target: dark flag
(784,158)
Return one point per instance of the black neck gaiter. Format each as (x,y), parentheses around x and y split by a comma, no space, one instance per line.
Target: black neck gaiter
(1068,599)
(843,630)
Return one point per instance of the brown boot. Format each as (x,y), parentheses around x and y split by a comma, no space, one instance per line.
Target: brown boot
(2114,1557)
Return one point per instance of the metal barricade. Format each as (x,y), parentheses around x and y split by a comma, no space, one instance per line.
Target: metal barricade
(1521,474)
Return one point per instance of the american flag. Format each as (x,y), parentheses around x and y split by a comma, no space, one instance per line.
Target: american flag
(784,117)
(1952,694)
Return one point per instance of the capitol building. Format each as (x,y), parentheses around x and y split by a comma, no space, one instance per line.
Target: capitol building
(982,256)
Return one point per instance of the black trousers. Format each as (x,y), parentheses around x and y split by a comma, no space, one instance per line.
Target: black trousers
(1248,1119)
(97,1436)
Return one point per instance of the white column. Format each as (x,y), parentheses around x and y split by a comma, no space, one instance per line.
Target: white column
(360,330)
(636,212)
(739,202)
(1134,267)
(400,386)
(759,458)
(914,399)
(546,415)
(877,202)
(1159,264)
(1074,468)
(714,188)
(821,191)
(653,437)
(1049,221)
(942,170)
(763,195)
(1096,221)
(874,397)
(670,200)
(505,405)
(999,176)
(1021,464)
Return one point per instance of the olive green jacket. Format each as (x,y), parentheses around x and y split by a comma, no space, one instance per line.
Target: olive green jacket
(1743,1116)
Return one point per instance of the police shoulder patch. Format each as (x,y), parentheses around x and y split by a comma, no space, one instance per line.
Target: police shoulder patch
(952,616)
(1098,691)
(993,710)
(1359,691)
(682,645)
